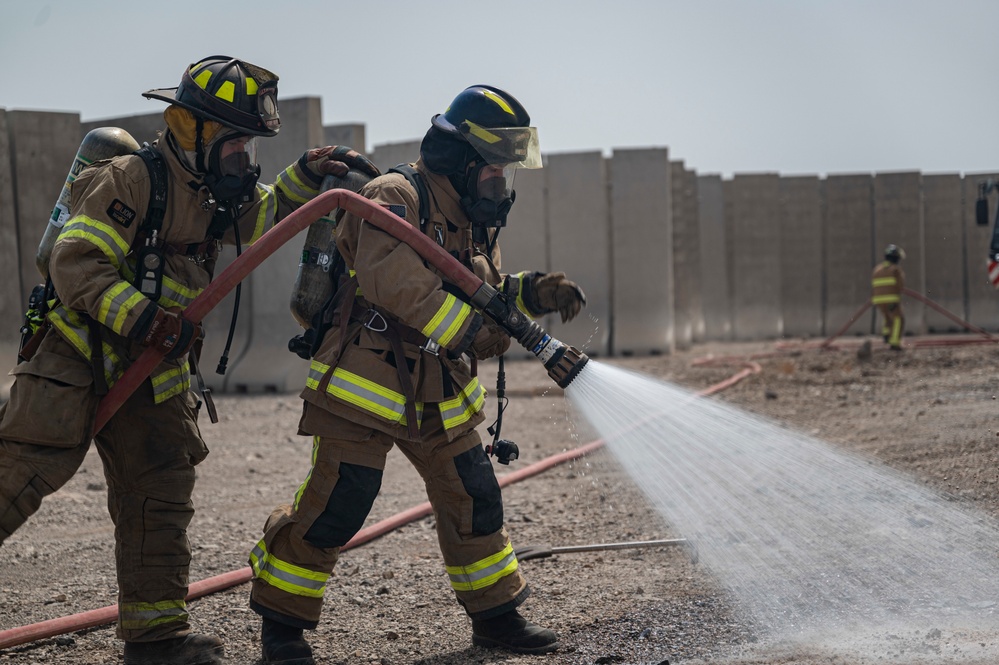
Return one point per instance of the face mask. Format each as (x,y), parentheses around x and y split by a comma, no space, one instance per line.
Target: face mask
(489,197)
(232,169)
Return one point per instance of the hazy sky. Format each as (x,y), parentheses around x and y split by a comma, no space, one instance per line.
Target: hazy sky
(729,86)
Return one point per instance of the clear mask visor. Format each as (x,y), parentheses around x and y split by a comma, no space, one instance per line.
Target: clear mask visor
(496,181)
(516,147)
(237,156)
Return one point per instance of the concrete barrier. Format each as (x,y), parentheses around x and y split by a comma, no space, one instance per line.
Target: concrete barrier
(579,229)
(387,155)
(11,312)
(687,308)
(716,296)
(642,246)
(801,264)
(752,211)
(943,232)
(849,254)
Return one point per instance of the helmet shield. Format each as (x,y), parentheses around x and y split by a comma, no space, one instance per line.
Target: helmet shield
(512,146)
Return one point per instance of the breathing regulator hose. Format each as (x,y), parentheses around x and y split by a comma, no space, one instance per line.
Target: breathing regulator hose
(562,362)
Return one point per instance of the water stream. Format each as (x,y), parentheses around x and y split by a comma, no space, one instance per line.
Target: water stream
(814,544)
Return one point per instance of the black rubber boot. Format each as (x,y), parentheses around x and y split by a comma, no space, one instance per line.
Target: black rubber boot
(193,649)
(284,645)
(513,632)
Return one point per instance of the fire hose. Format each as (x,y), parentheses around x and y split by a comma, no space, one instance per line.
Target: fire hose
(562,362)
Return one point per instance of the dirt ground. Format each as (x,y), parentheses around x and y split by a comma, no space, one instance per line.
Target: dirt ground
(929,411)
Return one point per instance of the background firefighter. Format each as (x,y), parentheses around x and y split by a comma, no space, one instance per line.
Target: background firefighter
(390,372)
(121,283)
(887,282)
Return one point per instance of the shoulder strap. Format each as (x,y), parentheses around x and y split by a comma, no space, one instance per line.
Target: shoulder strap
(416,180)
(158,188)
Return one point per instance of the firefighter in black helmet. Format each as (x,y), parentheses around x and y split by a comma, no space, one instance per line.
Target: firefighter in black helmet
(112,306)
(887,283)
(395,372)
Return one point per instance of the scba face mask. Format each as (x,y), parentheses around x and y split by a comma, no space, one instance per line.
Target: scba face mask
(489,196)
(232,169)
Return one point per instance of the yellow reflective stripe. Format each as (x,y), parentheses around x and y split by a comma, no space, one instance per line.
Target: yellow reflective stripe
(316,372)
(77,333)
(884,281)
(305,483)
(485,572)
(896,332)
(521,276)
(499,101)
(176,294)
(286,576)
(226,91)
(101,235)
(173,381)
(266,215)
(117,303)
(367,394)
(886,299)
(203,78)
(146,615)
(293,187)
(481,132)
(463,406)
(448,320)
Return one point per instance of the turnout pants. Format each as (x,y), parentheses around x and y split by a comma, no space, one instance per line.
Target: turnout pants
(894,323)
(149,452)
(301,543)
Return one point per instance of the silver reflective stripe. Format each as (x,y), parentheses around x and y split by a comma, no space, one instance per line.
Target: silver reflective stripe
(294,187)
(99,234)
(267,214)
(469,401)
(285,576)
(118,301)
(447,321)
(135,616)
(483,573)
(171,382)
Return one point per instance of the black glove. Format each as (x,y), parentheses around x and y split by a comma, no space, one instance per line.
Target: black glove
(552,292)
(337,160)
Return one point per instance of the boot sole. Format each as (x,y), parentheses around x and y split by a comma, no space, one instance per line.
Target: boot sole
(215,657)
(290,661)
(487,643)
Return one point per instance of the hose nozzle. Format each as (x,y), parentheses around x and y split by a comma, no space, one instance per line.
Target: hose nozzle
(562,361)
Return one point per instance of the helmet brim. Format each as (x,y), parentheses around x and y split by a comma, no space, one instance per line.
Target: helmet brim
(169,95)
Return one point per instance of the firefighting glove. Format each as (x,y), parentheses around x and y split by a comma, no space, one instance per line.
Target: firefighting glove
(171,334)
(336,160)
(490,341)
(552,292)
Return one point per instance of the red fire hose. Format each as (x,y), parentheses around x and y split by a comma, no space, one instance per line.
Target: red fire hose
(264,247)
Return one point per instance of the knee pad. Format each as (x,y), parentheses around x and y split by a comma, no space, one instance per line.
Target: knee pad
(348,506)
(479,481)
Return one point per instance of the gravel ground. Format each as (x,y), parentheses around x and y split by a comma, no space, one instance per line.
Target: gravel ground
(929,412)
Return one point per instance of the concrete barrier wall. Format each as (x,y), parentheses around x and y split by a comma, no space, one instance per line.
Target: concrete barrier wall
(11,313)
(42,146)
(898,219)
(579,229)
(983,299)
(716,295)
(666,257)
(753,214)
(688,314)
(849,253)
(943,229)
(642,246)
(801,264)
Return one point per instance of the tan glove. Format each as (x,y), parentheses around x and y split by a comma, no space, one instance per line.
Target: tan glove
(171,334)
(336,160)
(490,341)
(554,293)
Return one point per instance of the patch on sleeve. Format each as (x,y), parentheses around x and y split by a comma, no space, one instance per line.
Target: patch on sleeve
(396,209)
(121,213)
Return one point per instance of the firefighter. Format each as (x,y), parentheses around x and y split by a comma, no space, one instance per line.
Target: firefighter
(104,316)
(392,371)
(887,283)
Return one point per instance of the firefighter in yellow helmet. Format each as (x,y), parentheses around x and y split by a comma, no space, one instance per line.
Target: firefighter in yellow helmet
(122,270)
(887,282)
(394,371)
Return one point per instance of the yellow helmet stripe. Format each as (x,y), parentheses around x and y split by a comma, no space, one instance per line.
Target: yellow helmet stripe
(481,132)
(226,91)
(499,101)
